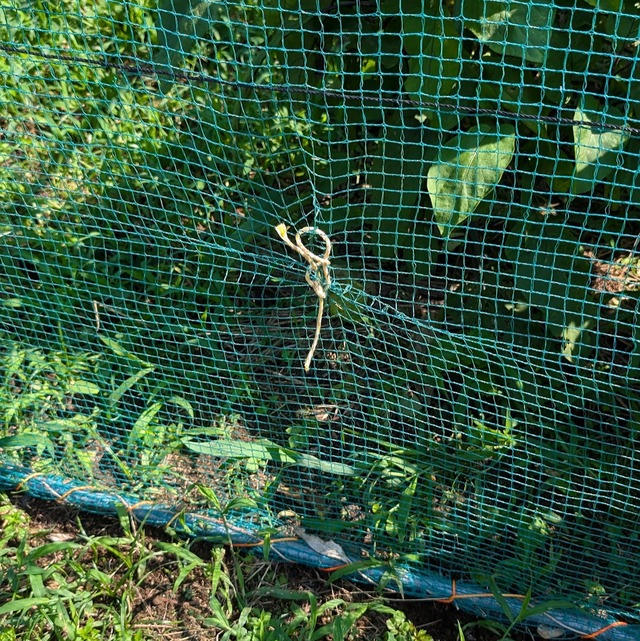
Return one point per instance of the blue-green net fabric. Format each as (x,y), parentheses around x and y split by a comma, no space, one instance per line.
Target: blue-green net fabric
(463,177)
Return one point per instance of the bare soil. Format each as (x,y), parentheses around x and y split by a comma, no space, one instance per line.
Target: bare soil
(174,615)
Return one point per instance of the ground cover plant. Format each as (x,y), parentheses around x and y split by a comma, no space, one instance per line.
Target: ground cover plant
(74,576)
(472,403)
(65,577)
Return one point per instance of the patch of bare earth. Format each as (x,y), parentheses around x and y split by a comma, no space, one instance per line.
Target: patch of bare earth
(162,612)
(616,276)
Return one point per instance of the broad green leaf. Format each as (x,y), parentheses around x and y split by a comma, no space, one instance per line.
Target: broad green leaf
(353,568)
(330,467)
(518,29)
(83,387)
(52,548)
(507,609)
(265,450)
(542,608)
(262,450)
(28,439)
(468,168)
(595,149)
(240,504)
(573,336)
(434,63)
(66,425)
(23,605)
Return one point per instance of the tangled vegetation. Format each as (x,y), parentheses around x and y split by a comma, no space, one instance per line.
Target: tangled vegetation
(472,406)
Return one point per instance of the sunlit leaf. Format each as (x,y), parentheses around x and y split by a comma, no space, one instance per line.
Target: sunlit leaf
(23,605)
(266,451)
(468,168)
(595,148)
(119,350)
(521,29)
(262,450)
(83,387)
(184,404)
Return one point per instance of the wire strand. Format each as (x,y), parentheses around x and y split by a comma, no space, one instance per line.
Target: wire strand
(138,68)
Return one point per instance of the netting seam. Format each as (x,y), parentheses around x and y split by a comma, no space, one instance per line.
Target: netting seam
(133,67)
(295,550)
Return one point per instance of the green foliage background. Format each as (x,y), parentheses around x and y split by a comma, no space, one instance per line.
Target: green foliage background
(473,404)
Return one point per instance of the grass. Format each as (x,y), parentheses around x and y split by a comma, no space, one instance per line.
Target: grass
(67,575)
(70,576)
(153,329)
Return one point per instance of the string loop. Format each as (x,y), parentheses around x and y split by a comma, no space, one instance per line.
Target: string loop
(317,275)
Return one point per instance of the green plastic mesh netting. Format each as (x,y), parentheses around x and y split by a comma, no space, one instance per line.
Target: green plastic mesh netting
(352,282)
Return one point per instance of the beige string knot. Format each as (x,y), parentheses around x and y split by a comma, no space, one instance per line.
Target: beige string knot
(317,274)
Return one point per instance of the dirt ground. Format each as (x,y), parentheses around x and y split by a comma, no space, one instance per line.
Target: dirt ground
(158,608)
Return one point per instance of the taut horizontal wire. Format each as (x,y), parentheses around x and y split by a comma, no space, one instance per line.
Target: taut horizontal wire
(134,67)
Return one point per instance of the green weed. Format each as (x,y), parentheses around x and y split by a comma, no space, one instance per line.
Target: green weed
(474,384)
(129,585)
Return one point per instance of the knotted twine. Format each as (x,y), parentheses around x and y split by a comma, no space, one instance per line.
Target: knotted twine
(317,274)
